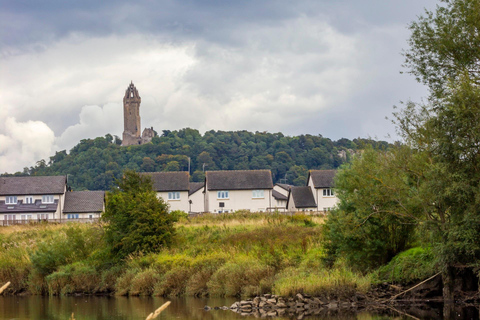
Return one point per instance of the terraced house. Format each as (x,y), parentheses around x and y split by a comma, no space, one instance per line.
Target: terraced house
(45,198)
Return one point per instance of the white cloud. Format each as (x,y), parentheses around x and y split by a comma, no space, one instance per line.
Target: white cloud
(23,143)
(94,122)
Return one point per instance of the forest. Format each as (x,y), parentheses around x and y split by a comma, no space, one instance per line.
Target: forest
(94,164)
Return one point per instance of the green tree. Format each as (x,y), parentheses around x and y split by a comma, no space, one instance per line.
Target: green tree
(378,208)
(444,45)
(137,221)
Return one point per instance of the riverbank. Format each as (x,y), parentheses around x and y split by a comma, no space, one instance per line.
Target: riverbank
(234,255)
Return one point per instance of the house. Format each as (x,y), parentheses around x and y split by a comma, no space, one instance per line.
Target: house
(84,205)
(229,191)
(280,196)
(173,187)
(32,198)
(322,184)
(196,197)
(301,199)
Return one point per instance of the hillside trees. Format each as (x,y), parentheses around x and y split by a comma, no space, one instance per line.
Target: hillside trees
(94,164)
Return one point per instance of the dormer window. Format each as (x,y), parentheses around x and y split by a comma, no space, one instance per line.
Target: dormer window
(11,200)
(47,199)
(28,199)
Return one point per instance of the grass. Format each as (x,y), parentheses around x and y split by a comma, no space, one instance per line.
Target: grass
(239,254)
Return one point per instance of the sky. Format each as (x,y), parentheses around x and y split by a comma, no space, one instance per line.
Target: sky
(320,67)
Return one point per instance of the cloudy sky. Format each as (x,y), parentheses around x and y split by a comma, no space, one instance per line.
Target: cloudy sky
(305,66)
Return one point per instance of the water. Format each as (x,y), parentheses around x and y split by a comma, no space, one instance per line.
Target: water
(132,308)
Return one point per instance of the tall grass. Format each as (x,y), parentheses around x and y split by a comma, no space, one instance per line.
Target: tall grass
(239,254)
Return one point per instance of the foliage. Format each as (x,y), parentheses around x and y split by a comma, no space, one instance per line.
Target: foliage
(444,45)
(94,164)
(375,219)
(137,221)
(409,266)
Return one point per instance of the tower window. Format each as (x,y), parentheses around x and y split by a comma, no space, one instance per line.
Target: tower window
(131,94)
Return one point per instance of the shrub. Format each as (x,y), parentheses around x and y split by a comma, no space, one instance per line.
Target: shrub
(409,266)
(74,278)
(243,276)
(143,283)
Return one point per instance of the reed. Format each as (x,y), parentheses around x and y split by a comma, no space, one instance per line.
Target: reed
(5,286)
(157,312)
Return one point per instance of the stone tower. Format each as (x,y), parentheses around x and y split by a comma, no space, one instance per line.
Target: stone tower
(131,117)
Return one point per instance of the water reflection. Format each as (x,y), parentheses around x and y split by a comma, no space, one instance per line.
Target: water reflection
(120,308)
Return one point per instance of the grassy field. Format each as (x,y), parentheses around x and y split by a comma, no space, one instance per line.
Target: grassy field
(241,254)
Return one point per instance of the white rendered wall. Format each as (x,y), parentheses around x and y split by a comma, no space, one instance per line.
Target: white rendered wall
(239,200)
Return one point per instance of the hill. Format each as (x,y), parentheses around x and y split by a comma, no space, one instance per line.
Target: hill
(94,164)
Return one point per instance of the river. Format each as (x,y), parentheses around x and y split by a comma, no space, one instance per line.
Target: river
(132,308)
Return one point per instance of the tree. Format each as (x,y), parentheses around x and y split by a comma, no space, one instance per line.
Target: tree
(444,45)
(444,54)
(378,208)
(137,221)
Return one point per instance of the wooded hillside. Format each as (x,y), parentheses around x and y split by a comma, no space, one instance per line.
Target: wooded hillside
(93,164)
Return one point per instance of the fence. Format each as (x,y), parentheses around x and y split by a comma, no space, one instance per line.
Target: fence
(4,223)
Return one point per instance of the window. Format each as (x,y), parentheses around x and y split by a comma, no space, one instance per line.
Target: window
(174,196)
(28,199)
(43,216)
(257,194)
(328,192)
(11,200)
(47,199)
(326,209)
(222,194)
(73,216)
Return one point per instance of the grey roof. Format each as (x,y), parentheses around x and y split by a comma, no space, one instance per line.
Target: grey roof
(195,186)
(277,195)
(32,185)
(84,201)
(322,178)
(169,181)
(239,180)
(302,197)
(284,186)
(21,207)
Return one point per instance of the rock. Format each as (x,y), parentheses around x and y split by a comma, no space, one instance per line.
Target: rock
(207,308)
(299,297)
(281,305)
(216,308)
(332,305)
(234,305)
(272,301)
(245,302)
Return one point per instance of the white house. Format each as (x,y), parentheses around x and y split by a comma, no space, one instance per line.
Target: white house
(301,199)
(322,184)
(172,187)
(280,196)
(229,191)
(32,198)
(84,205)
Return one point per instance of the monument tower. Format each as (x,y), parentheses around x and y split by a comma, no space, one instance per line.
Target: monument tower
(131,119)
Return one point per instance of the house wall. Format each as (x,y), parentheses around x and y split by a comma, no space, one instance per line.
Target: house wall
(198,204)
(239,200)
(51,215)
(278,204)
(180,204)
(95,215)
(280,190)
(321,200)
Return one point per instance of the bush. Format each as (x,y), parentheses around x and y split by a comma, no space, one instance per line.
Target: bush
(243,276)
(73,278)
(412,265)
